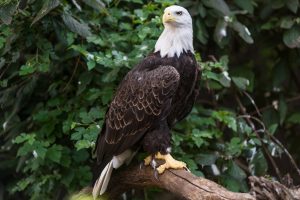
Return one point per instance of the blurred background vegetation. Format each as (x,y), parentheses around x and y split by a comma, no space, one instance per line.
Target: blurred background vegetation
(61,62)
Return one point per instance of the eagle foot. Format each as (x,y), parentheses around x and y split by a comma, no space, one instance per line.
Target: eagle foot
(170,163)
(150,160)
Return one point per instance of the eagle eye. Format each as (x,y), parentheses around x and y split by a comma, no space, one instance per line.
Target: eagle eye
(179,13)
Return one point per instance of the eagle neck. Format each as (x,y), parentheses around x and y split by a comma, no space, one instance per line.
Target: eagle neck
(174,41)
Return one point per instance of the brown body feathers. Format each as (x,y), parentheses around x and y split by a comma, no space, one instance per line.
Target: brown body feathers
(152,97)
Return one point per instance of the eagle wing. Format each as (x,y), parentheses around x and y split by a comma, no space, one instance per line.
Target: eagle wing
(142,99)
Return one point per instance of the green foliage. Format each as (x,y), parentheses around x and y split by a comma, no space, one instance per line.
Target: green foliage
(61,62)
(81,196)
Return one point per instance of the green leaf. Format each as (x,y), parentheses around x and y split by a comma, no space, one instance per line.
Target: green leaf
(91,64)
(255,141)
(80,28)
(65,158)
(282,110)
(231,184)
(240,82)
(29,68)
(196,136)
(25,149)
(236,172)
(46,8)
(24,183)
(23,137)
(201,33)
(96,113)
(2,42)
(85,79)
(246,5)
(177,139)
(191,163)
(222,78)
(220,30)
(85,117)
(243,31)
(277,4)
(227,118)
(6,12)
(82,144)
(235,146)
(73,125)
(199,136)
(81,155)
(244,127)
(77,135)
(294,118)
(287,22)
(235,178)
(54,153)
(272,129)
(206,159)
(96,4)
(291,37)
(96,40)
(40,150)
(219,5)
(260,165)
(280,75)
(293,5)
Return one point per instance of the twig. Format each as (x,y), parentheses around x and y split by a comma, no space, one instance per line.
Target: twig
(249,121)
(253,103)
(285,151)
(290,100)
(73,74)
(275,140)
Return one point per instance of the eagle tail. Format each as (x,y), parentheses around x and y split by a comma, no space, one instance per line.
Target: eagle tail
(101,184)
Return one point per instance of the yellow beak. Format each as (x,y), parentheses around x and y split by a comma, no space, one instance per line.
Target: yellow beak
(168,17)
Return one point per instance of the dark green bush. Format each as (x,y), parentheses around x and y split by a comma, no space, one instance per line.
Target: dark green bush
(61,62)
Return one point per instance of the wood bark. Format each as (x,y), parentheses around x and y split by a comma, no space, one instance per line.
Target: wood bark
(180,182)
(187,186)
(266,189)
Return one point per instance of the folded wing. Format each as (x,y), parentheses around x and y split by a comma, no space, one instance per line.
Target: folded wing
(142,100)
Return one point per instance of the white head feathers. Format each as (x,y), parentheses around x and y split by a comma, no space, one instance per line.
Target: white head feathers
(177,36)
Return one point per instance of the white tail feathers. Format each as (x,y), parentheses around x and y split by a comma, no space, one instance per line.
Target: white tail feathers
(101,184)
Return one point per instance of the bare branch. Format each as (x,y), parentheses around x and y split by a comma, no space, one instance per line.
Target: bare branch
(265,189)
(180,182)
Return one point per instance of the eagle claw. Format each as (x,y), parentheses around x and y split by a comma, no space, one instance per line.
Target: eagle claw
(170,162)
(142,164)
(187,169)
(156,174)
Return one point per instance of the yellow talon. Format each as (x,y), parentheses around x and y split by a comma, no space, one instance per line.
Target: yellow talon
(170,162)
(147,160)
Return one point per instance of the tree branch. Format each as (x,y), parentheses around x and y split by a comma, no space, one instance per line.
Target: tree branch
(190,187)
(265,189)
(179,182)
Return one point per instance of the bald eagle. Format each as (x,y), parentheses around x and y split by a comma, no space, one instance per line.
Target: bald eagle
(152,97)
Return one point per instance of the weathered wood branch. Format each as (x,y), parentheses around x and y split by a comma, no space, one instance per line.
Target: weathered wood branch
(265,189)
(190,187)
(180,182)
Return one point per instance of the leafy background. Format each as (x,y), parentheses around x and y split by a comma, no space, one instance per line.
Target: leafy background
(61,62)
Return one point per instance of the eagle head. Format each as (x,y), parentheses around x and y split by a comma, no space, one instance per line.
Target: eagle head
(177,16)
(177,36)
